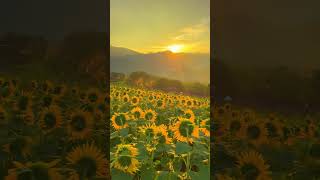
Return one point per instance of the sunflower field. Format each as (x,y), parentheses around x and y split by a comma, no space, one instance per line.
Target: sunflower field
(50,131)
(157,135)
(260,146)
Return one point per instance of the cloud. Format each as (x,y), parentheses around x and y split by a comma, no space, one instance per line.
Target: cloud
(193,32)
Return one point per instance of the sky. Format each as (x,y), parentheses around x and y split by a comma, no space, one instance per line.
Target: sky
(158,25)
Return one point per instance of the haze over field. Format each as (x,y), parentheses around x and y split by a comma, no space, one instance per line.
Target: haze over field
(191,67)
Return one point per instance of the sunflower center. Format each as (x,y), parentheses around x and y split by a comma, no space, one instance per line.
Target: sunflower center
(125,99)
(57,90)
(250,171)
(159,103)
(78,123)
(272,130)
(124,161)
(161,138)
(189,103)
(149,132)
(47,100)
(149,115)
(134,100)
(121,119)
(253,132)
(186,128)
(137,114)
(93,97)
(188,115)
(87,167)
(50,120)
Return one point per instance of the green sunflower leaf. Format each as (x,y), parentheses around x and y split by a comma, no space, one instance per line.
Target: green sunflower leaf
(182,148)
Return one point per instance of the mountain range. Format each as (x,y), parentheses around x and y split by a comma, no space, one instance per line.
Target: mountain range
(186,67)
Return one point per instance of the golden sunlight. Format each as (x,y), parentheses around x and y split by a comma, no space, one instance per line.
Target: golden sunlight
(175,48)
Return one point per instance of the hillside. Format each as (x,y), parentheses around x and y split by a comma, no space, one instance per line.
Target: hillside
(180,66)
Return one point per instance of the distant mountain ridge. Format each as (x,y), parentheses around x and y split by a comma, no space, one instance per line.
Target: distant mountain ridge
(188,67)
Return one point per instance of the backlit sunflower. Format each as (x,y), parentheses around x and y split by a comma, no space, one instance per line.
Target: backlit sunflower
(93,96)
(252,166)
(189,115)
(148,130)
(184,130)
(162,134)
(150,115)
(189,103)
(119,120)
(159,103)
(87,161)
(34,170)
(125,158)
(135,100)
(50,119)
(125,98)
(80,125)
(59,90)
(254,132)
(137,113)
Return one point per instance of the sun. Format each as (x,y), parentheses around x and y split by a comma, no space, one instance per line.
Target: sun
(175,48)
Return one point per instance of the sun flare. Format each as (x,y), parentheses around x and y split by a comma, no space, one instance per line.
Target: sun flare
(175,48)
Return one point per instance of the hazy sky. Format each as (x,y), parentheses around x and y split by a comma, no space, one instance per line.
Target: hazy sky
(153,25)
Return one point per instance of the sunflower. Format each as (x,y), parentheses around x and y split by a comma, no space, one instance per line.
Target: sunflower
(46,86)
(125,158)
(125,98)
(189,115)
(59,90)
(223,177)
(159,103)
(119,120)
(21,145)
(87,161)
(184,130)
(205,127)
(148,130)
(162,134)
(234,126)
(255,132)
(34,84)
(80,125)
(189,103)
(150,98)
(150,115)
(50,119)
(34,170)
(93,96)
(135,100)
(252,166)
(137,113)
(274,129)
